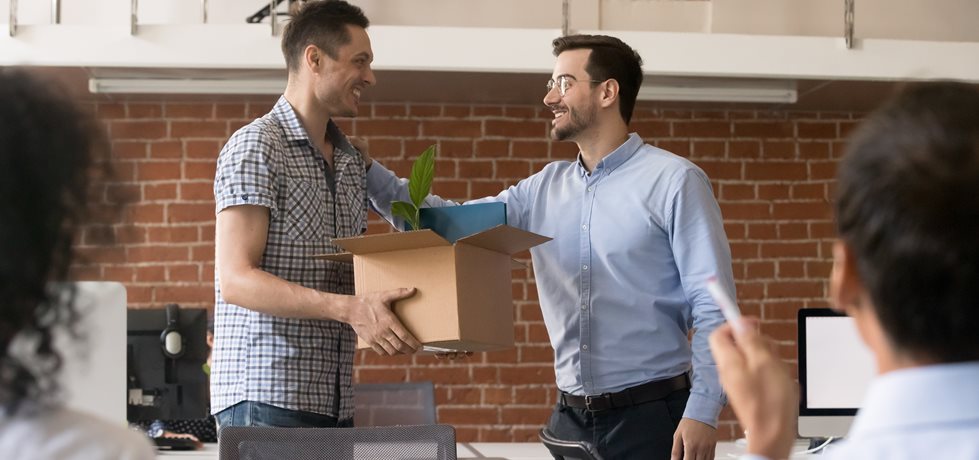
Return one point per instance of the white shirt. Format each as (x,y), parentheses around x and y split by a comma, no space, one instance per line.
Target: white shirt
(929,412)
(69,435)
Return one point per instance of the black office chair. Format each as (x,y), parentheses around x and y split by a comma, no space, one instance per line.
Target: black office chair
(414,442)
(568,450)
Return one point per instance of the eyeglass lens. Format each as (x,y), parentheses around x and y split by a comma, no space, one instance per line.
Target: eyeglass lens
(562,83)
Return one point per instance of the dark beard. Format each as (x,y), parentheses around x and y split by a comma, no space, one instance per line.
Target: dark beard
(577,124)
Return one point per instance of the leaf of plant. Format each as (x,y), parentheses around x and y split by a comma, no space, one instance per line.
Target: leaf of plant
(422,172)
(406,211)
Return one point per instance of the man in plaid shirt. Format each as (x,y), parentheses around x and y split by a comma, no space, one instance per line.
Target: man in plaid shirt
(286,184)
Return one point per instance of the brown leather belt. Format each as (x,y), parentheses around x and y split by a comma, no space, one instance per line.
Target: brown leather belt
(649,391)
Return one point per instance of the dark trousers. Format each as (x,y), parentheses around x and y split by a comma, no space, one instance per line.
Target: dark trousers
(643,431)
(251,413)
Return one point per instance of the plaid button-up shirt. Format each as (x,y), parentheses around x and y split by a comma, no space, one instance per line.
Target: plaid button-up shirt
(295,364)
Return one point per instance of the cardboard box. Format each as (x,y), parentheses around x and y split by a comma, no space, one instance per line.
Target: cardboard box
(464,298)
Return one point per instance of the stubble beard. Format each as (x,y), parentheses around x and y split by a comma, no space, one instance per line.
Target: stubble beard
(340,107)
(578,122)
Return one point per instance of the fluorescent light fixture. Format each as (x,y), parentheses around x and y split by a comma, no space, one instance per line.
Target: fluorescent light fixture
(186,86)
(657,88)
(719,90)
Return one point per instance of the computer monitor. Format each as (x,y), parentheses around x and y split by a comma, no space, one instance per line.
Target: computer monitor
(166,352)
(835,368)
(93,364)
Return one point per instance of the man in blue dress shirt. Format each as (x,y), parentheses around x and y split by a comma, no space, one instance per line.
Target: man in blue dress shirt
(906,268)
(637,233)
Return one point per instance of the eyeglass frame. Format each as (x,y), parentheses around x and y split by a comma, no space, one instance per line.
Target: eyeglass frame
(561,82)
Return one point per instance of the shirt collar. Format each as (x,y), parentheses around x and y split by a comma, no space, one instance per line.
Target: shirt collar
(615,159)
(295,132)
(919,396)
(341,145)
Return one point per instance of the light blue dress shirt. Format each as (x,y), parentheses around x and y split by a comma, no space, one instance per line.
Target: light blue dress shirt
(623,280)
(929,412)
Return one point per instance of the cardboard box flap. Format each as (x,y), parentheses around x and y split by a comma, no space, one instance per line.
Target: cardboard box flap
(391,242)
(336,257)
(505,239)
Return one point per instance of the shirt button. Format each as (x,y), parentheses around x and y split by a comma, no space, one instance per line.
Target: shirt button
(584,307)
(591,188)
(584,227)
(584,267)
(584,347)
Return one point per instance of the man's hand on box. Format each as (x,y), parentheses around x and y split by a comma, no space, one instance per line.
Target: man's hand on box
(361,145)
(375,323)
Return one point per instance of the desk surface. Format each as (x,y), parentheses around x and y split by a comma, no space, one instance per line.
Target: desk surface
(464,450)
(482,450)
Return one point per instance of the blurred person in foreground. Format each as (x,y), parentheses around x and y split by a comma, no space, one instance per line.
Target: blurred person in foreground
(49,162)
(906,268)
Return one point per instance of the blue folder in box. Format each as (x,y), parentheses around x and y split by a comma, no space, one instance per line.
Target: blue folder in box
(454,222)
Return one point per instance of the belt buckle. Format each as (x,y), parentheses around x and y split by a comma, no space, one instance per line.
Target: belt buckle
(590,401)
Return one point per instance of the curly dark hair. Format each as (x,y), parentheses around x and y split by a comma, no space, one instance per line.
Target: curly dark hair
(908,207)
(49,152)
(322,23)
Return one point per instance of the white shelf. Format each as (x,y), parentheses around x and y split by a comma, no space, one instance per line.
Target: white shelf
(493,50)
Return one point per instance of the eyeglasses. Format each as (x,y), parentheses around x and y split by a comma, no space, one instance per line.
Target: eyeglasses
(564,82)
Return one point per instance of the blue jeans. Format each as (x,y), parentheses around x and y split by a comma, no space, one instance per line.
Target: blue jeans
(251,413)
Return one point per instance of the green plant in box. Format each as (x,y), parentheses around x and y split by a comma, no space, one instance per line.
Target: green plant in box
(419,185)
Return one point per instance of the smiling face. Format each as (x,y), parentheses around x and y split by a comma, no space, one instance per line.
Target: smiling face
(341,81)
(577,109)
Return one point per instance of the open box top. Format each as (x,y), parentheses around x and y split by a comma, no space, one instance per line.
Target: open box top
(502,238)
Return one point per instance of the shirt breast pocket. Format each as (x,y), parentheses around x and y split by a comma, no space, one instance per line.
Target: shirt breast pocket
(307,211)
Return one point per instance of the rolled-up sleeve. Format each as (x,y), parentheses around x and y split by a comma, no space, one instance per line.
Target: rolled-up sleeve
(246,172)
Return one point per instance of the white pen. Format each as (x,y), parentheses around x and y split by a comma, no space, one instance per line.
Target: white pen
(728,308)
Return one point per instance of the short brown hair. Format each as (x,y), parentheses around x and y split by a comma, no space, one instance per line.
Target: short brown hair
(321,23)
(610,58)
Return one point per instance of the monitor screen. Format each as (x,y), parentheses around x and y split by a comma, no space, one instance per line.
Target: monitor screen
(94,370)
(835,368)
(161,384)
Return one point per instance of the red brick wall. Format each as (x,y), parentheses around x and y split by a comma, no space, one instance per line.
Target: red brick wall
(771,170)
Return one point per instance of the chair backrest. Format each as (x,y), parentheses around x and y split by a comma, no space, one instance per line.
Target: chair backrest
(568,450)
(417,442)
(389,404)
